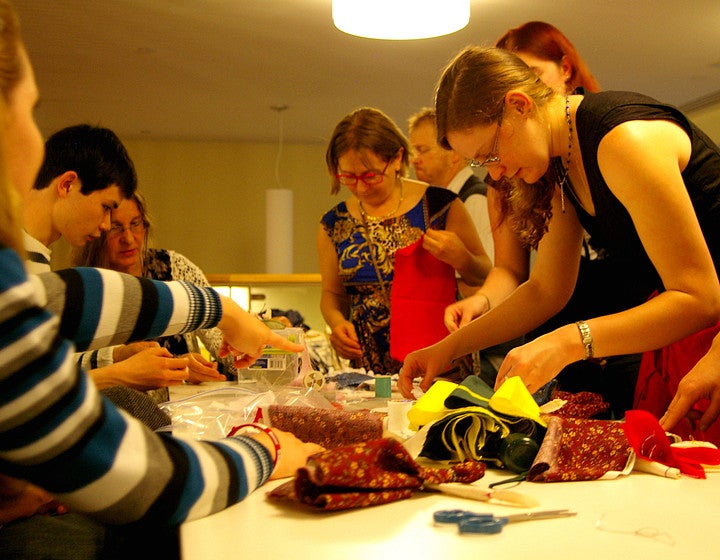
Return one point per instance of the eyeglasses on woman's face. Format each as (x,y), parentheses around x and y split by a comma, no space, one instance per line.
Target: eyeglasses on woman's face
(136,226)
(370,177)
(493,158)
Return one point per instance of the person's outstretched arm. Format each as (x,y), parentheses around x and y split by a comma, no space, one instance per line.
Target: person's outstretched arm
(60,434)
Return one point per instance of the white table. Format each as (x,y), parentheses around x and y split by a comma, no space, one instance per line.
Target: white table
(685,511)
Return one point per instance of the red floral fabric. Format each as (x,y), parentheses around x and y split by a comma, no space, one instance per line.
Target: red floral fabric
(579,449)
(328,427)
(367,474)
(583,404)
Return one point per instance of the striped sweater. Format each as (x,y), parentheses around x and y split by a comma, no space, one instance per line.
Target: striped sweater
(59,433)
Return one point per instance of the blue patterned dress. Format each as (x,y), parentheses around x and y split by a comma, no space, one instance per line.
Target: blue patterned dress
(366,253)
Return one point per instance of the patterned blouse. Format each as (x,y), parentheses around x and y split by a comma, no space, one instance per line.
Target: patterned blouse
(366,258)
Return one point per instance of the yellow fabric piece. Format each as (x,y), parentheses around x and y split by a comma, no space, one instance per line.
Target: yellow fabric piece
(513,399)
(431,406)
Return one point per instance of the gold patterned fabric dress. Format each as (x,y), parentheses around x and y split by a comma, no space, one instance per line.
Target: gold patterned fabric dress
(366,259)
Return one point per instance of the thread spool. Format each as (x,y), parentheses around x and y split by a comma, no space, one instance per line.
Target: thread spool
(383,386)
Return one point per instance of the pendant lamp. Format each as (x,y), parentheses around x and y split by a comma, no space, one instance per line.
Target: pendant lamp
(400,19)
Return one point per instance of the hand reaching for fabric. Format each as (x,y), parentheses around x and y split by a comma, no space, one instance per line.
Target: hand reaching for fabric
(701,382)
(426,363)
(293,453)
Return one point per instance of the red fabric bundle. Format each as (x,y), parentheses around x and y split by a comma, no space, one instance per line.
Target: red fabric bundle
(650,442)
(423,286)
(367,474)
(660,373)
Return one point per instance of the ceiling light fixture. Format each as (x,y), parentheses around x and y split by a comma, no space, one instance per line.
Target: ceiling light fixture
(400,19)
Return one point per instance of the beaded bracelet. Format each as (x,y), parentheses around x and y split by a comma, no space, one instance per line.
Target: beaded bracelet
(261,428)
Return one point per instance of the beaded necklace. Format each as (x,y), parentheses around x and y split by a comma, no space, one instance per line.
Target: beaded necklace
(566,167)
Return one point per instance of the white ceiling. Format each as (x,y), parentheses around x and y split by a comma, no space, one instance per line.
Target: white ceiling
(212,69)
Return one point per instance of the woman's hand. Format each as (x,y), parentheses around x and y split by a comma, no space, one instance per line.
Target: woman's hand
(150,368)
(345,341)
(701,382)
(125,351)
(539,361)
(427,363)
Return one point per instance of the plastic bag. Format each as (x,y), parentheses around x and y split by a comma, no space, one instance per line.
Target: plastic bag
(212,414)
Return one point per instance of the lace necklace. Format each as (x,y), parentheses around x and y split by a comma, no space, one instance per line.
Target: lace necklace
(563,175)
(369,218)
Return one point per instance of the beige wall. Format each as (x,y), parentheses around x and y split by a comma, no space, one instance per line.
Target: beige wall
(208,199)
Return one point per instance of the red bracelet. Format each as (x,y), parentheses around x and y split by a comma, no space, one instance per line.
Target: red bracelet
(261,428)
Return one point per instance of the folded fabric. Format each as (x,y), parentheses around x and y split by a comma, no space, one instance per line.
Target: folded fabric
(512,400)
(473,420)
(366,474)
(466,434)
(581,449)
(650,442)
(328,427)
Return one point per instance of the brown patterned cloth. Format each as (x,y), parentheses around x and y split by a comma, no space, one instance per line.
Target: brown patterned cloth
(580,449)
(583,404)
(328,427)
(366,474)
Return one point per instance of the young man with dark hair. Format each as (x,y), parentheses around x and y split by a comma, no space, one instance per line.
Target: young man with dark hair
(85,174)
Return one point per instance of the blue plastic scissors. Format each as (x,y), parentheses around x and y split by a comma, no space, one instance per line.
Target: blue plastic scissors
(487,523)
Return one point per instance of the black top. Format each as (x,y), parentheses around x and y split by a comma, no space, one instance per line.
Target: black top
(612,228)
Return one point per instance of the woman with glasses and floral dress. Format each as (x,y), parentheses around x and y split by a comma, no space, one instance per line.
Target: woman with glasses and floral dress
(358,238)
(124,248)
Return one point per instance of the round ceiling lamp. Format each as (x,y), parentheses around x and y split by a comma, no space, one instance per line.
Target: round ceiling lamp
(400,19)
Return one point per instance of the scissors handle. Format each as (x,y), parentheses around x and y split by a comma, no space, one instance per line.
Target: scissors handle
(485,525)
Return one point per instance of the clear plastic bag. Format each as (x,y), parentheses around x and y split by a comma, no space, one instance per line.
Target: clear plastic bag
(212,414)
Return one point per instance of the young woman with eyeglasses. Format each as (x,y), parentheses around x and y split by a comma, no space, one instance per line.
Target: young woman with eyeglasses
(358,238)
(605,283)
(633,172)
(125,248)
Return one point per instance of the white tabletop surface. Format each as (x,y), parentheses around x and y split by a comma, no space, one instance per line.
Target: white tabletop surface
(678,516)
(636,516)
